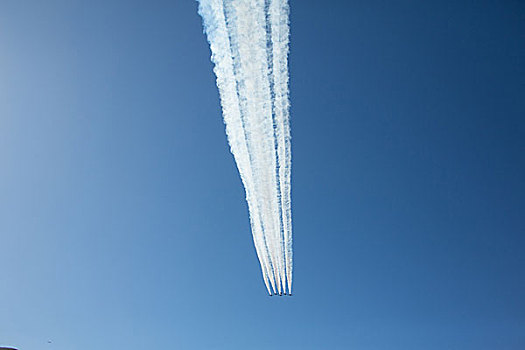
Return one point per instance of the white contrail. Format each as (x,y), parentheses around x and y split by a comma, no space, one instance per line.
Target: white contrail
(278,18)
(249,60)
(215,24)
(249,44)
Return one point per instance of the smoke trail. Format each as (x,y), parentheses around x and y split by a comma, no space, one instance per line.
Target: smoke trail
(214,22)
(249,60)
(249,44)
(278,17)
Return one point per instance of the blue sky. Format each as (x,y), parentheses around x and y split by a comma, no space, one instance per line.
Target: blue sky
(122,216)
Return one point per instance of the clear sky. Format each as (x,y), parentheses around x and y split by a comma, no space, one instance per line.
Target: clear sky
(123,223)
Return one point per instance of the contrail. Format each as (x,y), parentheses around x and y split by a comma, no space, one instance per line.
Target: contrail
(249,45)
(214,21)
(278,17)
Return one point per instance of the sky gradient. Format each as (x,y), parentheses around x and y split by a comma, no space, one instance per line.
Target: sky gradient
(123,222)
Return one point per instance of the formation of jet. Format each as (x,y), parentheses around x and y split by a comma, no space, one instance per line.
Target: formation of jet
(279,294)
